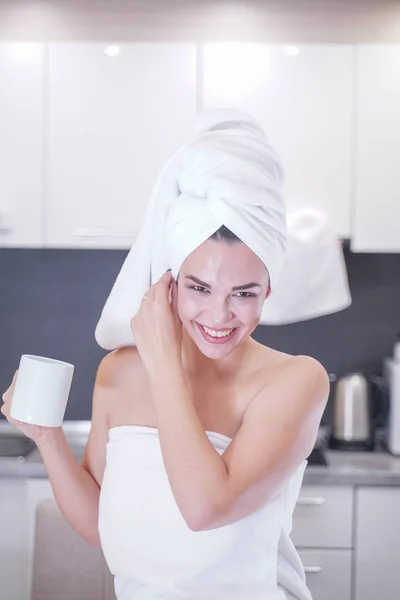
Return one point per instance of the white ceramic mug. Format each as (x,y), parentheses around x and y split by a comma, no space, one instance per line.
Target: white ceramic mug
(41,390)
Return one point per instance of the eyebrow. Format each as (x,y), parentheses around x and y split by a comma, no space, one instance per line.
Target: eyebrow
(246,286)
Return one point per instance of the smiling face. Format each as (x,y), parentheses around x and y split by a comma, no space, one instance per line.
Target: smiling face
(222,287)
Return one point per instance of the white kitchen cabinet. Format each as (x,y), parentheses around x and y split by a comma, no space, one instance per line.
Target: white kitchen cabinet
(304,103)
(377,573)
(113,123)
(328,573)
(21,144)
(323,517)
(376,221)
(13,545)
(36,490)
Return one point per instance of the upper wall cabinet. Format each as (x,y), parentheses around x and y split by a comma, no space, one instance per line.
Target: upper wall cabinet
(302,96)
(116,114)
(376,226)
(21,143)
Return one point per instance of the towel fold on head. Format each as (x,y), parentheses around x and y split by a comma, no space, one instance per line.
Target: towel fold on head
(227,175)
(314,282)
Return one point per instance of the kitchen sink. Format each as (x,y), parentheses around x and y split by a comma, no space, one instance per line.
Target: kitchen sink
(15,446)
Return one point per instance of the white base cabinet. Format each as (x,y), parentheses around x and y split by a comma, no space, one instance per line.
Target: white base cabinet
(14,551)
(328,573)
(377,542)
(323,534)
(323,517)
(36,490)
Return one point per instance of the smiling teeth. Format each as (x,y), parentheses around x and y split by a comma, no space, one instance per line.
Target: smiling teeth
(218,334)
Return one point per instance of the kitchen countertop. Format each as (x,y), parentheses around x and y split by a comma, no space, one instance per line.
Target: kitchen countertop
(344,468)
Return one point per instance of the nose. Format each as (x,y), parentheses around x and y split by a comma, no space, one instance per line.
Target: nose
(220,311)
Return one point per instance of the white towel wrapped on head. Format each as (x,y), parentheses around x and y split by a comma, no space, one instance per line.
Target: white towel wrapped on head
(227,175)
(314,281)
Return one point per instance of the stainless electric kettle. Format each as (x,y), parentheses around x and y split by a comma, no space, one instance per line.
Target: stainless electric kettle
(353,420)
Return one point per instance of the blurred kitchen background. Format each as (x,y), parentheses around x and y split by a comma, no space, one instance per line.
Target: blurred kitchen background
(94,97)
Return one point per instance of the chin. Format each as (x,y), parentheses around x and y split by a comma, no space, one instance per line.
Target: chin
(215,353)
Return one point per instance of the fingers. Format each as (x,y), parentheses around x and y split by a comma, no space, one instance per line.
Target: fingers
(6,397)
(162,288)
(165,279)
(9,389)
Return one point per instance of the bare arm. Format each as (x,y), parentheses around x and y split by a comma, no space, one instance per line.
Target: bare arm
(76,486)
(75,490)
(277,433)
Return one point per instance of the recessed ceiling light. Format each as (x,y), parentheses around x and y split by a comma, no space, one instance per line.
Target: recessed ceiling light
(112,50)
(291,50)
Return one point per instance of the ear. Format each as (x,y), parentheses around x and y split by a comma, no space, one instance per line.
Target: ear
(174,300)
(268,293)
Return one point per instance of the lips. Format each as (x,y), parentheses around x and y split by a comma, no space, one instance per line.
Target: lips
(217,340)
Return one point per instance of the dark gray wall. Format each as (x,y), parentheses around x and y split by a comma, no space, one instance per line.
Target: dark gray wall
(50,301)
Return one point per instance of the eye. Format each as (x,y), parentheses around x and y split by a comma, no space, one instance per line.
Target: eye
(246,295)
(198,288)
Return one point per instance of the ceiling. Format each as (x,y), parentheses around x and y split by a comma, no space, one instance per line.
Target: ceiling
(249,20)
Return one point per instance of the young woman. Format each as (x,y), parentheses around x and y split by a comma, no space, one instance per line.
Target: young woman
(198,442)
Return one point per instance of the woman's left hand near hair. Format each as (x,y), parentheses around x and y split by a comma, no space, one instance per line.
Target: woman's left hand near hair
(156,326)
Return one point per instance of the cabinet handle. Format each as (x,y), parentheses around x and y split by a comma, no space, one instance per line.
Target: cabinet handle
(312,569)
(311,501)
(103,232)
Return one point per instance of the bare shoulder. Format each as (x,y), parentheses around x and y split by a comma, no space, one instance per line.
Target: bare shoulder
(116,375)
(302,377)
(276,361)
(293,396)
(113,372)
(294,373)
(302,362)
(117,366)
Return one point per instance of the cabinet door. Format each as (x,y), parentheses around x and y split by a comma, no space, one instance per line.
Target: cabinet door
(323,517)
(328,573)
(21,143)
(376,226)
(36,490)
(304,103)
(377,573)
(13,543)
(113,123)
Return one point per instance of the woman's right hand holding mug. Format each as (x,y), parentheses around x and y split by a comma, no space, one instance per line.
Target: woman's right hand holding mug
(34,432)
